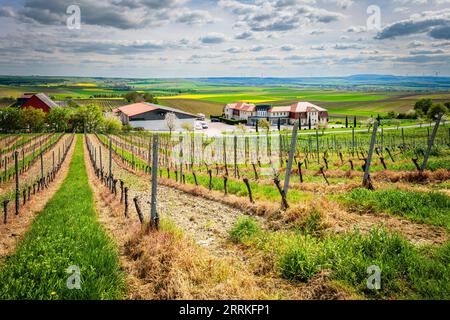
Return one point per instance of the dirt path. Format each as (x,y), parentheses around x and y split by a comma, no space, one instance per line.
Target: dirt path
(206,222)
(11,233)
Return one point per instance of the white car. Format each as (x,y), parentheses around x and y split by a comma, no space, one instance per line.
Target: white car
(204,125)
(198,126)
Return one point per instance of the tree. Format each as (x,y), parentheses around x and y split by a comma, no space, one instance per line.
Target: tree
(423,105)
(279,124)
(33,119)
(435,110)
(346,121)
(369,123)
(10,119)
(354,122)
(392,115)
(257,123)
(322,126)
(88,118)
(171,121)
(111,124)
(242,127)
(309,123)
(133,97)
(58,119)
(187,126)
(265,124)
(148,97)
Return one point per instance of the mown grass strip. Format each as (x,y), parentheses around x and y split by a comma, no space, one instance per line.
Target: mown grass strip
(66,233)
(430,207)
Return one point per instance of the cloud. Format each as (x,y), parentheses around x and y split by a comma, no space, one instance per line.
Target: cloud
(441,33)
(244,35)
(278,16)
(257,48)
(7,12)
(422,52)
(435,23)
(318,47)
(120,14)
(346,46)
(416,44)
(288,47)
(213,38)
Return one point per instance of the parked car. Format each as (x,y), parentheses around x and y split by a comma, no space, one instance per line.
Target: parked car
(204,125)
(198,126)
(214,120)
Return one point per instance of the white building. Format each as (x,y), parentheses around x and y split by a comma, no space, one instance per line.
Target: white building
(306,112)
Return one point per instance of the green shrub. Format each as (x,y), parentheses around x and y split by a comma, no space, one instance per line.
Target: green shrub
(244,228)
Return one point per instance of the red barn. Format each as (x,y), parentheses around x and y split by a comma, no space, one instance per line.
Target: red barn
(39,101)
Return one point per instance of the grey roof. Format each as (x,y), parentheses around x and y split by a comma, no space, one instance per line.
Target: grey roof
(44,98)
(171,109)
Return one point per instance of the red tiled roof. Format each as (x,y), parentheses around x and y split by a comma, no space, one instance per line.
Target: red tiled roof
(242,106)
(305,107)
(136,108)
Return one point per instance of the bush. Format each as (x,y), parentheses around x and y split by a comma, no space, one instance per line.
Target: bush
(244,229)
(301,261)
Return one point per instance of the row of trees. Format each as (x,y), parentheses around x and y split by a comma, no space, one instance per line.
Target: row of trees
(427,108)
(89,118)
(135,96)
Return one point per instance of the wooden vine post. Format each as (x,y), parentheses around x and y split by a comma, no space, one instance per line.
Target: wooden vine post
(291,157)
(431,141)
(16,163)
(154,217)
(366,178)
(110,174)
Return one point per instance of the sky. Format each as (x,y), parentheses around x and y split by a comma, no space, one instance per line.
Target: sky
(224,38)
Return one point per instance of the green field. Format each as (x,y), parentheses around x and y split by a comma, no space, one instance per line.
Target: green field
(196,96)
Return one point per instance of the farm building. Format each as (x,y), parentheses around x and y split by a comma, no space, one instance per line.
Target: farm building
(303,111)
(151,116)
(37,101)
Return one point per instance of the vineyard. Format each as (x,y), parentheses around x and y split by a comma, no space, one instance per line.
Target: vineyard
(283,215)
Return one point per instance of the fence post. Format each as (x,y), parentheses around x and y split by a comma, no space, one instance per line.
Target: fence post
(291,157)
(110,163)
(369,156)
(42,168)
(317,146)
(431,141)
(235,156)
(154,219)
(16,164)
(353,141)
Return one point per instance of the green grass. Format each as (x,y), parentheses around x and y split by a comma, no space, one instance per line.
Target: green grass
(430,208)
(407,272)
(65,233)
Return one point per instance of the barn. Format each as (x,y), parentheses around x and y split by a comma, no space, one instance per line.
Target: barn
(150,116)
(37,101)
